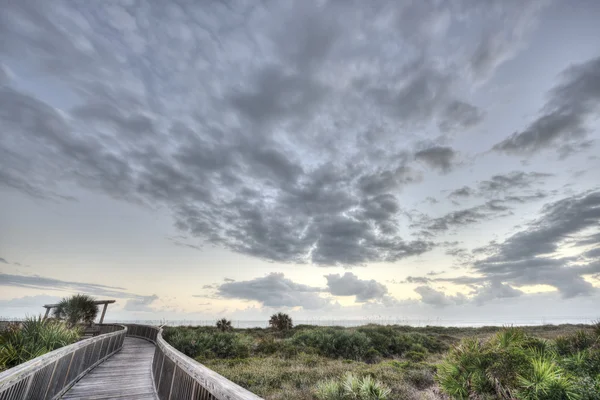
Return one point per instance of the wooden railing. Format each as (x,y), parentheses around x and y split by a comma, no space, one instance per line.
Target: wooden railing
(178,377)
(51,375)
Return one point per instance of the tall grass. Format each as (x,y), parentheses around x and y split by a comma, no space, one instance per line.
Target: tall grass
(35,337)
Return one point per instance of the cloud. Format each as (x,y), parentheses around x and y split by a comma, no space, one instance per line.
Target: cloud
(2,260)
(274,290)
(458,115)
(417,279)
(503,183)
(142,303)
(40,282)
(464,191)
(563,119)
(500,42)
(437,157)
(30,302)
(437,298)
(461,218)
(529,257)
(494,290)
(350,285)
(297,156)
(5,75)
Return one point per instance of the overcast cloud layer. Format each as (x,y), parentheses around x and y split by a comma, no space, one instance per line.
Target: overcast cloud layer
(461,135)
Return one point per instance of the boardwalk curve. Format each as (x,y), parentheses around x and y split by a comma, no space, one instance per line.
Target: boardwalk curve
(126,375)
(127,361)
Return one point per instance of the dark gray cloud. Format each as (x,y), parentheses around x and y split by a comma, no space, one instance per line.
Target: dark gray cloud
(5,74)
(437,157)
(438,298)
(563,122)
(529,256)
(40,282)
(515,180)
(483,292)
(463,217)
(458,115)
(2,260)
(464,191)
(350,285)
(417,279)
(494,290)
(274,290)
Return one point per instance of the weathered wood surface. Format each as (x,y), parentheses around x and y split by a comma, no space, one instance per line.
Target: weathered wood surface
(126,375)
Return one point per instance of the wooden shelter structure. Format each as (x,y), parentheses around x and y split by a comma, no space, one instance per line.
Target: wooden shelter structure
(48,307)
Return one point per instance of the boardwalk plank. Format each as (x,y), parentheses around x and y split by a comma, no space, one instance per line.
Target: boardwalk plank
(126,375)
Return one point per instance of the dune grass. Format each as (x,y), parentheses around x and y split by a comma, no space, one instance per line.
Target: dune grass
(400,362)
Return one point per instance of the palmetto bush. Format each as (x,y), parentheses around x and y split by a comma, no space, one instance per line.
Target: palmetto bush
(281,322)
(513,365)
(545,379)
(76,309)
(352,388)
(224,325)
(35,337)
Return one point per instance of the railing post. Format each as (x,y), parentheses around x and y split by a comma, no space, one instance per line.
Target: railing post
(68,370)
(162,364)
(51,376)
(172,380)
(26,392)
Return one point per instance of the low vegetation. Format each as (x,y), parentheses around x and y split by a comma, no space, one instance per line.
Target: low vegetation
(514,364)
(401,362)
(33,338)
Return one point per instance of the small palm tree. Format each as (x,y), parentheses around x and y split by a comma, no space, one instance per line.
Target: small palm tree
(76,309)
(281,322)
(224,325)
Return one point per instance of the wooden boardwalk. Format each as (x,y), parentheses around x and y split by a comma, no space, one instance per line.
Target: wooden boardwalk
(126,375)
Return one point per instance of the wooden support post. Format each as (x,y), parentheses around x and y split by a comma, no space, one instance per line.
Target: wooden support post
(103,313)
(47,312)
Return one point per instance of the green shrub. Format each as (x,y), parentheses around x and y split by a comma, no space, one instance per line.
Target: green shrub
(35,337)
(571,344)
(372,356)
(588,388)
(352,345)
(420,378)
(415,356)
(199,344)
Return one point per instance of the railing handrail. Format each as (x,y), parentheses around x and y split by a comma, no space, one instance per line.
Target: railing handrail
(50,375)
(219,386)
(40,362)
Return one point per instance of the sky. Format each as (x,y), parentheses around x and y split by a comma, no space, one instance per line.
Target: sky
(329,159)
